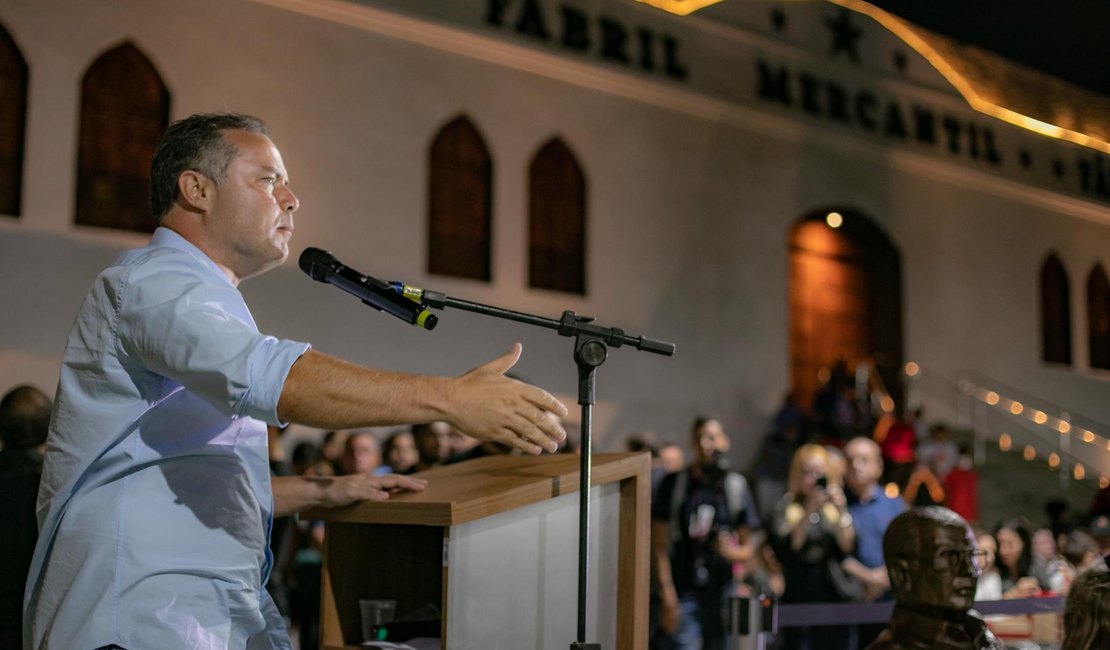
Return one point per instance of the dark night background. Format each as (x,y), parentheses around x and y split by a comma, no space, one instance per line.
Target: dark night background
(1069,39)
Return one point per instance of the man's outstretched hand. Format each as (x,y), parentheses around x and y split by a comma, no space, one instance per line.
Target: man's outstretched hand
(490,406)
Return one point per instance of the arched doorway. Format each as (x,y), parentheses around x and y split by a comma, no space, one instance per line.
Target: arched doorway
(845,287)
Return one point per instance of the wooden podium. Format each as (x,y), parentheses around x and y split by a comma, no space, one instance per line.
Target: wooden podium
(493,544)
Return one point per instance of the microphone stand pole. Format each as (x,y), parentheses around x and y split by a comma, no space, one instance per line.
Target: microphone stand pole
(591,348)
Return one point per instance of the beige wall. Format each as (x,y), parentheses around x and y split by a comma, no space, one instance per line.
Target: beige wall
(690,199)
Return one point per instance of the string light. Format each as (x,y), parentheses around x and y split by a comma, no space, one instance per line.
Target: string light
(1029,452)
(1079,472)
(1104,481)
(1053,460)
(912,369)
(1038,416)
(891,490)
(834,219)
(1004,442)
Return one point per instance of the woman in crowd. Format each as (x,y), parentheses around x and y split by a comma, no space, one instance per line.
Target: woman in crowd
(1015,559)
(400,453)
(1087,612)
(990,583)
(811,533)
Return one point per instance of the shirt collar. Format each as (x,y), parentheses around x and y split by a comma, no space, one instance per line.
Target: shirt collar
(167,238)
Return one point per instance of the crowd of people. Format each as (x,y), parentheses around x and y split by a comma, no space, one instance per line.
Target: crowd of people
(809,527)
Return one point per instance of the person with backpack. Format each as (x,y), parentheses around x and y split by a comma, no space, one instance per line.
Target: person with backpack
(703,518)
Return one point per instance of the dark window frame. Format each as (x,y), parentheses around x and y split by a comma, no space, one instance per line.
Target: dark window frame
(13,123)
(460,202)
(557,220)
(1055,306)
(125,108)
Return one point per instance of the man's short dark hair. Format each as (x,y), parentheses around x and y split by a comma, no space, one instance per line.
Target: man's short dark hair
(24,418)
(195,143)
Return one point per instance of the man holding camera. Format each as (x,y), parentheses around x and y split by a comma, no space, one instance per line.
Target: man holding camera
(702,520)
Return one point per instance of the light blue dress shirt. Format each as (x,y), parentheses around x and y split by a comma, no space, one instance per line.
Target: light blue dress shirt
(155,504)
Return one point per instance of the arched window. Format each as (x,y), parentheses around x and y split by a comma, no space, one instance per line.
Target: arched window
(1055,312)
(13,120)
(459,199)
(1098,317)
(125,108)
(557,220)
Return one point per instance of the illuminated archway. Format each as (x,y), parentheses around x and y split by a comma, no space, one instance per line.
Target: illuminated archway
(845,291)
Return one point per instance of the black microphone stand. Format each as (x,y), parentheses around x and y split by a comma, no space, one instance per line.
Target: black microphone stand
(591,348)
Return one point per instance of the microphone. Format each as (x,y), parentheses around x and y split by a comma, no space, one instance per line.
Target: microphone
(322,266)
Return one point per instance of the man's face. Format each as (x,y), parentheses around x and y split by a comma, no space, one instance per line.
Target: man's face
(948,578)
(250,221)
(363,454)
(864,466)
(710,439)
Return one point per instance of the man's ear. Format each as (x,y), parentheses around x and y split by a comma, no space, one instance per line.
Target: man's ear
(195,190)
(900,580)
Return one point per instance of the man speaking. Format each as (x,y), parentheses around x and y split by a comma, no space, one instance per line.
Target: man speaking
(156,502)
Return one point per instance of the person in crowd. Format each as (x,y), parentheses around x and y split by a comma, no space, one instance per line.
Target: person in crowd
(772,464)
(1049,567)
(1015,559)
(24,423)
(671,457)
(362,454)
(961,486)
(1087,612)
(1100,530)
(433,444)
(309,460)
(938,451)
(1080,552)
(872,510)
(703,521)
(399,452)
(923,488)
(811,533)
(898,441)
(333,444)
(156,499)
(637,443)
(990,582)
(932,560)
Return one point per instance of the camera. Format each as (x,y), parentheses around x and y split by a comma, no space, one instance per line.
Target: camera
(822,482)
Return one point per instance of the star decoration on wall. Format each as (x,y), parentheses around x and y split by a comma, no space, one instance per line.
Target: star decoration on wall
(778,19)
(845,35)
(900,62)
(1026,158)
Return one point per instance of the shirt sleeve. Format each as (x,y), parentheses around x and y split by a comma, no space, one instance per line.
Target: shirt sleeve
(176,321)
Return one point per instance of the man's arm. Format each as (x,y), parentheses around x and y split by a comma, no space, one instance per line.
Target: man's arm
(668,596)
(295,493)
(329,393)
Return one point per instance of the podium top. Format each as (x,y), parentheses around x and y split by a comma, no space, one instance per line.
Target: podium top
(486,486)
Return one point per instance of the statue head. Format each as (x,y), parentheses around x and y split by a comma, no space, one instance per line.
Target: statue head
(932,558)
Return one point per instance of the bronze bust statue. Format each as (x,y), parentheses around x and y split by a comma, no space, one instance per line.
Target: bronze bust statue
(931,556)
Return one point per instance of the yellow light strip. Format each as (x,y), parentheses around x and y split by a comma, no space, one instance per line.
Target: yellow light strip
(903,31)
(1014,407)
(679,7)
